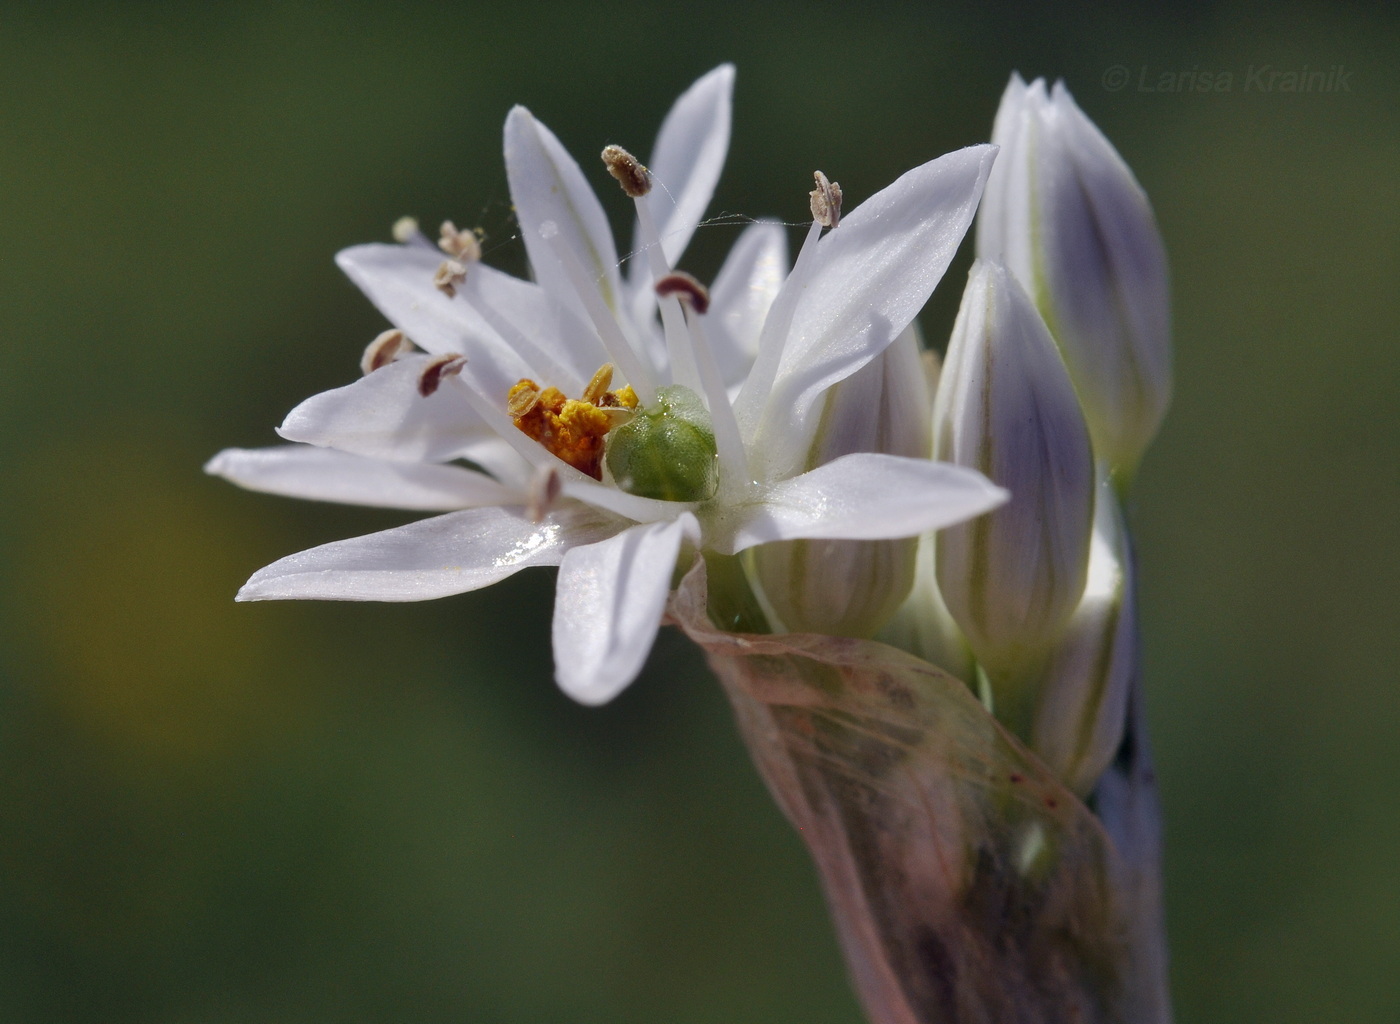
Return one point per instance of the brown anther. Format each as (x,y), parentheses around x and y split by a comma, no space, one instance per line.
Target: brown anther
(404,230)
(598,386)
(449,277)
(544,492)
(826,201)
(523,397)
(462,246)
(437,370)
(686,288)
(383,350)
(630,173)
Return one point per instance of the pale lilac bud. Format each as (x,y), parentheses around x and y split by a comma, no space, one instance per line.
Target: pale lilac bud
(1066,215)
(1082,703)
(1006,407)
(852,587)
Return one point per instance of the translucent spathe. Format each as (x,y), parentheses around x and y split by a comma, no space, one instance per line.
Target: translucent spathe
(1005,407)
(1069,219)
(966,883)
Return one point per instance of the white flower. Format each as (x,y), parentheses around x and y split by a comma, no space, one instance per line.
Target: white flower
(1069,219)
(849,295)
(1005,406)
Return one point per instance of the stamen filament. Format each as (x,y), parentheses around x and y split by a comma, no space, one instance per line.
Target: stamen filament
(633,367)
(683,369)
(749,406)
(734,475)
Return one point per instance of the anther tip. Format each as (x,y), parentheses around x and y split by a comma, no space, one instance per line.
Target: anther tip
(686,288)
(826,201)
(630,173)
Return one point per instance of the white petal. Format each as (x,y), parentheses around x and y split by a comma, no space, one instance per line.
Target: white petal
(547,335)
(547,185)
(613,499)
(741,296)
(611,598)
(323,474)
(436,557)
(870,276)
(865,497)
(399,281)
(383,416)
(687,160)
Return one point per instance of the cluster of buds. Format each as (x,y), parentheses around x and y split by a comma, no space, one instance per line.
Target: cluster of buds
(1057,376)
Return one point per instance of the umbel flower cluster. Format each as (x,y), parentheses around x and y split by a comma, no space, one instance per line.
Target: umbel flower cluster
(776,454)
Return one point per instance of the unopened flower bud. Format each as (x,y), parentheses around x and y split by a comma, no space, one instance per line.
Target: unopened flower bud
(1082,700)
(853,587)
(1066,215)
(1006,407)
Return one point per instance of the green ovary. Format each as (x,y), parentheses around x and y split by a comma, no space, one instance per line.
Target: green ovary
(666,451)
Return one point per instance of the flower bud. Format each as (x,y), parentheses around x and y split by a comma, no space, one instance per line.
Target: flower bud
(1066,215)
(852,587)
(1006,407)
(924,627)
(1082,700)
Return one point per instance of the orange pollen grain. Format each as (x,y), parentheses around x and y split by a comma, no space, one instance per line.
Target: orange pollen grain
(573,430)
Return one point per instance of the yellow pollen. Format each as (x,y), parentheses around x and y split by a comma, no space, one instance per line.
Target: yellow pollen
(571,428)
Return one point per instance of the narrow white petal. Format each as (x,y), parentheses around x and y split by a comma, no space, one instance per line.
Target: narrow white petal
(610,601)
(870,277)
(323,474)
(742,294)
(547,185)
(865,497)
(448,554)
(529,321)
(398,279)
(613,499)
(383,416)
(686,163)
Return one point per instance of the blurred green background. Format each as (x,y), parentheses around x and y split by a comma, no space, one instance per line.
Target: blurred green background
(213,812)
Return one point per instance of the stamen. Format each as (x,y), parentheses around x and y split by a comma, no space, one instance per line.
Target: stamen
(544,491)
(685,288)
(672,321)
(383,350)
(598,386)
(523,396)
(405,229)
(437,370)
(826,201)
(630,172)
(634,368)
(573,430)
(729,442)
(449,277)
(462,246)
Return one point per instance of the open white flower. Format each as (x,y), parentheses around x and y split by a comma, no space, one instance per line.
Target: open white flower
(619,487)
